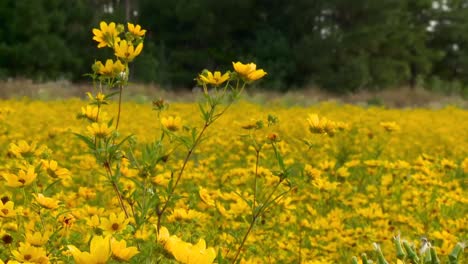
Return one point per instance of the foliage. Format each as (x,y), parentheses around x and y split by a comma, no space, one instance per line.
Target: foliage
(338,45)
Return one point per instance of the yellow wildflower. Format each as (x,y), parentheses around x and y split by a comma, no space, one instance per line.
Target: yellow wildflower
(100,97)
(248,71)
(464,165)
(136,30)
(163,235)
(171,123)
(93,221)
(121,251)
(23,149)
(38,239)
(110,69)
(6,209)
(107,35)
(206,197)
(100,130)
(46,202)
(99,251)
(90,112)
(87,193)
(67,220)
(24,178)
(215,79)
(126,51)
(51,166)
(30,254)
(184,214)
(390,126)
(190,254)
(114,223)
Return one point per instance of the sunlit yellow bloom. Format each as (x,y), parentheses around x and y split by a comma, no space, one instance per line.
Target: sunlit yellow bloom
(93,221)
(90,112)
(46,202)
(321,126)
(54,171)
(38,239)
(121,251)
(315,124)
(100,130)
(30,254)
(107,35)
(100,97)
(5,237)
(257,74)
(99,251)
(110,69)
(126,51)
(23,178)
(206,197)
(23,149)
(248,71)
(184,214)
(136,30)
(190,254)
(114,223)
(464,165)
(87,193)
(163,235)
(171,123)
(67,220)
(215,79)
(7,210)
(390,126)
(244,69)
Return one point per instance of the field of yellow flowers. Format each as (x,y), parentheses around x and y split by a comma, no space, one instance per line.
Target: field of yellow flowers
(221,180)
(386,172)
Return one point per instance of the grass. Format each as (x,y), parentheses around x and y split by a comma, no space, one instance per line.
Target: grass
(401,97)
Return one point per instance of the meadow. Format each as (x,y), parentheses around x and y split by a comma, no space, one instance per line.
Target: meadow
(388,172)
(219,179)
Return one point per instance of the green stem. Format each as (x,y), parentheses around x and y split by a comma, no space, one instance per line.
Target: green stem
(252,223)
(120,105)
(257,157)
(116,188)
(179,175)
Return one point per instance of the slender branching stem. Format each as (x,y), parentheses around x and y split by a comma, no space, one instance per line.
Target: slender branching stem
(179,175)
(252,223)
(257,157)
(120,106)
(116,188)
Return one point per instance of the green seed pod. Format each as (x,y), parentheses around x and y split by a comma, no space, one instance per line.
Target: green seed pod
(425,251)
(435,259)
(411,254)
(457,250)
(399,249)
(364,259)
(427,257)
(380,257)
(354,260)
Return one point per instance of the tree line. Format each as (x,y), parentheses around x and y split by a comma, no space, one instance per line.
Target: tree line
(339,45)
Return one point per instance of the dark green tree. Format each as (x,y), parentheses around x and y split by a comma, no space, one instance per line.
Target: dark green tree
(449,36)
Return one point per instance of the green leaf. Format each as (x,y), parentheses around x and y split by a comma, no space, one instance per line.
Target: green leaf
(87,140)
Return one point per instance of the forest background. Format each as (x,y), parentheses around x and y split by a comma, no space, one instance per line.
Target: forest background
(337,45)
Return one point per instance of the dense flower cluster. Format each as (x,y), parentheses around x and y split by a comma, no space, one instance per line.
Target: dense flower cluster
(384,173)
